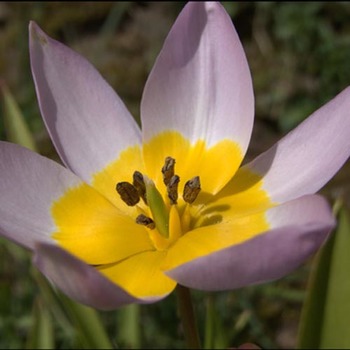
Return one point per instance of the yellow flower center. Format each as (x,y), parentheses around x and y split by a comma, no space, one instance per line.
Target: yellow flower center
(165,218)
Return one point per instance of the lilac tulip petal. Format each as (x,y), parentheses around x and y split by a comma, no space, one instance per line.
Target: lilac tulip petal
(88,123)
(307,158)
(80,281)
(298,229)
(29,183)
(200,84)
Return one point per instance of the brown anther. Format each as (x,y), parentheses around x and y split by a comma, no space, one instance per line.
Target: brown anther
(172,189)
(168,169)
(128,193)
(139,184)
(146,221)
(191,190)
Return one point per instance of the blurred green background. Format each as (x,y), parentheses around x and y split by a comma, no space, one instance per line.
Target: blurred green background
(299,56)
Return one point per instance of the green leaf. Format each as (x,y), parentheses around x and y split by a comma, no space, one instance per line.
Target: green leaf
(78,322)
(335,331)
(88,323)
(51,299)
(129,326)
(326,313)
(42,334)
(16,128)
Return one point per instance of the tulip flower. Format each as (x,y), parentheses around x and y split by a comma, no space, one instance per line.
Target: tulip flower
(135,211)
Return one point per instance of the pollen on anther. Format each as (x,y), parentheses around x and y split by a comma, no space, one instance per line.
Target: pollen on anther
(168,169)
(191,190)
(139,184)
(128,193)
(145,221)
(172,189)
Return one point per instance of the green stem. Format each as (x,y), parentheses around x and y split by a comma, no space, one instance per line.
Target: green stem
(187,316)
(209,323)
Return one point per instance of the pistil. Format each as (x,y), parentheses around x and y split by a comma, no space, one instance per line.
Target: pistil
(159,210)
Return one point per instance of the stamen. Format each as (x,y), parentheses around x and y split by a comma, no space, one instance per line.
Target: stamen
(191,190)
(168,169)
(128,193)
(139,184)
(172,189)
(146,221)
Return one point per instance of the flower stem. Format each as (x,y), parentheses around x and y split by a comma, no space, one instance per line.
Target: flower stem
(187,316)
